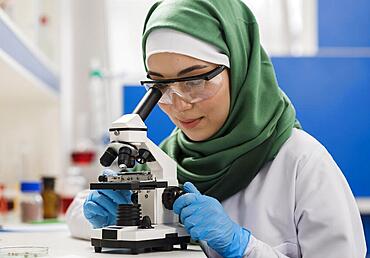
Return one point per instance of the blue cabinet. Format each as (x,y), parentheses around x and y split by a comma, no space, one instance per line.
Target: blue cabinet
(344,23)
(332,99)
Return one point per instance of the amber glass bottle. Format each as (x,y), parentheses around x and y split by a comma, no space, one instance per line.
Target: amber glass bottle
(51,198)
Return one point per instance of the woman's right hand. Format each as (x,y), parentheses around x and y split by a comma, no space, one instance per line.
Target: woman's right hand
(100,206)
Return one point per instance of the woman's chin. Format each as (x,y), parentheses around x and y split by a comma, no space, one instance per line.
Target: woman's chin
(195,136)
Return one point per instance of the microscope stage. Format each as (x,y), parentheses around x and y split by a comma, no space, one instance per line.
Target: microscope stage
(134,185)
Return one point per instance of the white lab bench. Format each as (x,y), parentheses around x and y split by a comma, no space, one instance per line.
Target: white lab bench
(61,245)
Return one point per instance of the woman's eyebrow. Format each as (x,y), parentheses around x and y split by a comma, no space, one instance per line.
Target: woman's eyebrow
(153,73)
(190,69)
(182,72)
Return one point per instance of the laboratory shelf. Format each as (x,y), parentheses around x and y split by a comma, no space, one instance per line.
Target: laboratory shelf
(29,107)
(26,74)
(19,86)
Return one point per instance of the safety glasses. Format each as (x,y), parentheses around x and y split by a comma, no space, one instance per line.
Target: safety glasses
(191,89)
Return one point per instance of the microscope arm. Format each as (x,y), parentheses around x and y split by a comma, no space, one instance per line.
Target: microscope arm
(163,168)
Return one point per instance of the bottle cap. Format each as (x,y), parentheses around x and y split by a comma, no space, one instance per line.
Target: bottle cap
(30,186)
(48,182)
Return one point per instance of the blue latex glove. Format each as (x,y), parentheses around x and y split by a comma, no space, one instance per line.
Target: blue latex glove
(100,206)
(204,218)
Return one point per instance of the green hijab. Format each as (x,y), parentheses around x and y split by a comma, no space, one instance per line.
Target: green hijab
(261,117)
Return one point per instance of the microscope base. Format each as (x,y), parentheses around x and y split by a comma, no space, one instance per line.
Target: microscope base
(137,247)
(140,240)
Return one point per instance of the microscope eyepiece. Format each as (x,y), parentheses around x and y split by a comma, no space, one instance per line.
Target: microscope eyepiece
(108,157)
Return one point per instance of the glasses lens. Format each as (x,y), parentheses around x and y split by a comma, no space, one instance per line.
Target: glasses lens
(191,91)
(202,89)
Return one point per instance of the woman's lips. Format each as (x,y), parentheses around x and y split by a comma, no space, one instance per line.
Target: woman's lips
(190,123)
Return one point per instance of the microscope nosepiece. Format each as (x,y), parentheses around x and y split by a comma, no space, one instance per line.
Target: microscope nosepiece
(108,157)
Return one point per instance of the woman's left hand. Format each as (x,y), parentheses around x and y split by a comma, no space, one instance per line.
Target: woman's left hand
(205,219)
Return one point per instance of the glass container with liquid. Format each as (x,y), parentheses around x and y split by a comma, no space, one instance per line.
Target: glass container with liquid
(31,203)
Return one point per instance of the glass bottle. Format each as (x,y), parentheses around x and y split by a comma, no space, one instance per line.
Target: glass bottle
(31,203)
(51,200)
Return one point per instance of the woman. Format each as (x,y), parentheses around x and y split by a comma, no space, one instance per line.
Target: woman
(257,185)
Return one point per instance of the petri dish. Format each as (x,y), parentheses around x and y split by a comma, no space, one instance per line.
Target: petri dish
(23,251)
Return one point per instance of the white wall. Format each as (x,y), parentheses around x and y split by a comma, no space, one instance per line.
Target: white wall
(126,21)
(30,142)
(288,27)
(83,38)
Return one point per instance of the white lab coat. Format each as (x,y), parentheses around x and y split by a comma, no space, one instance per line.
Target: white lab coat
(299,205)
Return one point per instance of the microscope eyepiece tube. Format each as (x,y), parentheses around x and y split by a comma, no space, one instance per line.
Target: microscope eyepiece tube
(147,103)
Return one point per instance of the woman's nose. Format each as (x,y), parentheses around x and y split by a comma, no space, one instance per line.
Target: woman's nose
(179,104)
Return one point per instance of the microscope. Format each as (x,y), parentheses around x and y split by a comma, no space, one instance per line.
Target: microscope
(148,223)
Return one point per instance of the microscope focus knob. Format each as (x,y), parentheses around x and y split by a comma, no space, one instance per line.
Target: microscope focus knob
(103,178)
(169,196)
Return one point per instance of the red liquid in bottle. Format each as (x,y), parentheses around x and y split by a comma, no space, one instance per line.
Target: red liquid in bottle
(83,157)
(65,202)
